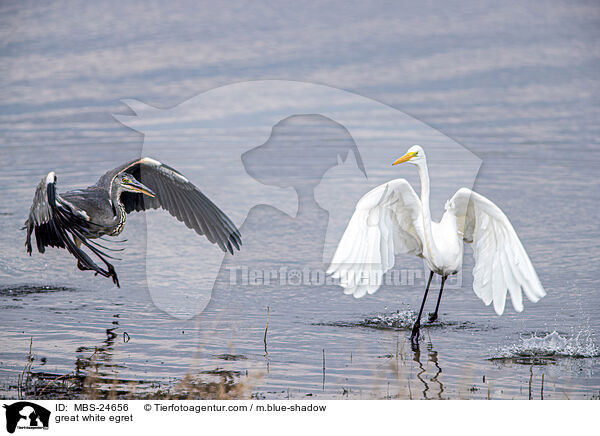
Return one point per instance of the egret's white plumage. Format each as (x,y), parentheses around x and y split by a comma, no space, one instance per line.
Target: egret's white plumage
(391,219)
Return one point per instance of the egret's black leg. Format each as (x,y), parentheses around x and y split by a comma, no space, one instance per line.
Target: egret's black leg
(433,316)
(414,337)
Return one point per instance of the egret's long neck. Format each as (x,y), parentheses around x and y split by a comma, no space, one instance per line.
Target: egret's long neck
(424,176)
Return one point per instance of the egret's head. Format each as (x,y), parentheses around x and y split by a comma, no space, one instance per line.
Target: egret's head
(129,183)
(414,155)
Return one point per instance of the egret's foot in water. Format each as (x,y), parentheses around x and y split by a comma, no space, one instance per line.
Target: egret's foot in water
(433,317)
(414,336)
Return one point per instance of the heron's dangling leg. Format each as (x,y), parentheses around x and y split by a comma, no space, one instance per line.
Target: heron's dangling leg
(79,264)
(414,337)
(433,316)
(110,269)
(113,274)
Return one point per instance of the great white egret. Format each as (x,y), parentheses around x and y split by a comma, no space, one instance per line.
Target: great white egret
(391,219)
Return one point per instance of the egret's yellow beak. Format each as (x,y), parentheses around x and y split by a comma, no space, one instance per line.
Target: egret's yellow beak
(405,158)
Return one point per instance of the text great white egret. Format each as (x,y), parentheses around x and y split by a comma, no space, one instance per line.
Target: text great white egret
(391,219)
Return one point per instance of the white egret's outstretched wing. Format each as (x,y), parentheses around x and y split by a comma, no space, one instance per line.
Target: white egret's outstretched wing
(387,221)
(501,263)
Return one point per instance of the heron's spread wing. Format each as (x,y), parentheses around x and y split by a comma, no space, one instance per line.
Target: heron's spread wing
(182,199)
(55,223)
(501,262)
(386,222)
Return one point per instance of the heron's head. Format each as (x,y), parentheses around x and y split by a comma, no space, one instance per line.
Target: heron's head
(415,155)
(129,183)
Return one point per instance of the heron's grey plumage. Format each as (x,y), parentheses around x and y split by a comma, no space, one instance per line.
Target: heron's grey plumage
(75,217)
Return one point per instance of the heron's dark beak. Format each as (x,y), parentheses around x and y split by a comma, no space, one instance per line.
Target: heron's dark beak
(139,187)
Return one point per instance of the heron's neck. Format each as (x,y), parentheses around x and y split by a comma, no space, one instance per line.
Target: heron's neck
(424,176)
(119,210)
(115,199)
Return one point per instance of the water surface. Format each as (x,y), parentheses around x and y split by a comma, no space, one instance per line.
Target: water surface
(516,85)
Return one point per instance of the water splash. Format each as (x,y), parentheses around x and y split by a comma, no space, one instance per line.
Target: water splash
(402,319)
(399,320)
(544,349)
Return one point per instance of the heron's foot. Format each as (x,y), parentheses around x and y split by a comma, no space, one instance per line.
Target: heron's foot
(81,267)
(414,336)
(112,273)
(433,317)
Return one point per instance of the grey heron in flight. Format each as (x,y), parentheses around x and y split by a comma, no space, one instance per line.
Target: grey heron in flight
(74,218)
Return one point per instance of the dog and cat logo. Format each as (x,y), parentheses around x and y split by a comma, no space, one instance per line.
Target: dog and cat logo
(26,415)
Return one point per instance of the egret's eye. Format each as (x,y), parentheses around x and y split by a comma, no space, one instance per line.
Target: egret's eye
(416,153)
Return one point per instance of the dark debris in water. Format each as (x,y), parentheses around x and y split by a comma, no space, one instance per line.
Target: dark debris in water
(227,356)
(18,290)
(48,386)
(527,360)
(227,373)
(386,356)
(211,384)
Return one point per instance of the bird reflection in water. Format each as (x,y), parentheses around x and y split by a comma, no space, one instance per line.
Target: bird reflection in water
(99,365)
(429,383)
